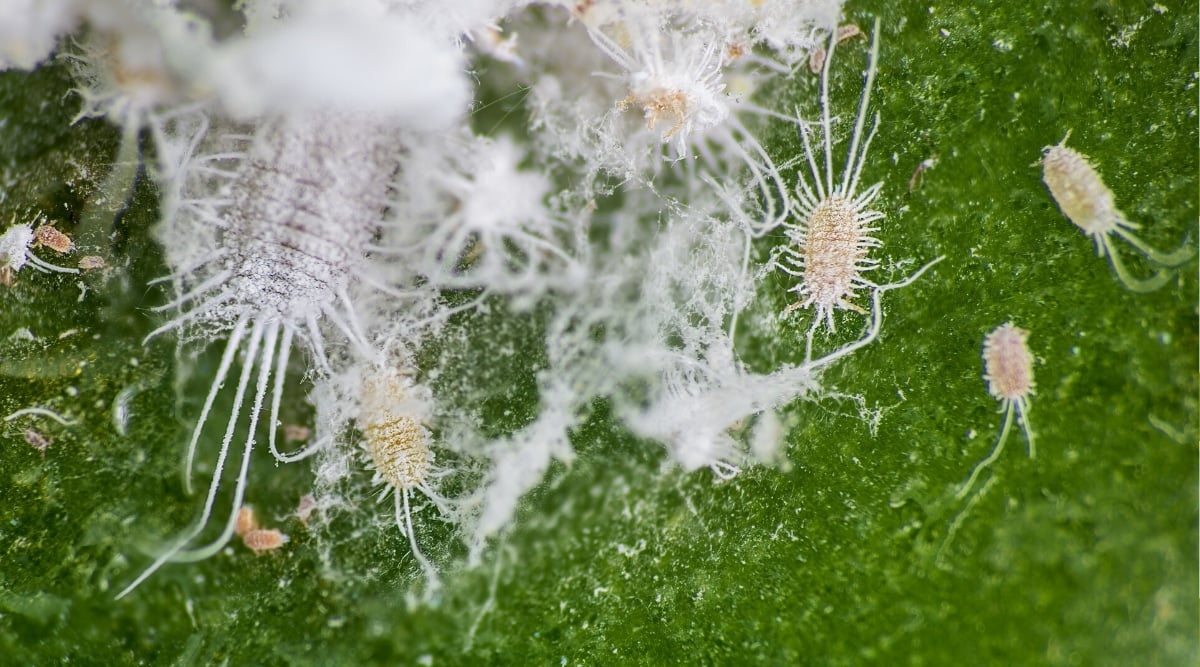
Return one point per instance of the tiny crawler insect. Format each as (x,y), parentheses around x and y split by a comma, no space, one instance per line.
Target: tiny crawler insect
(831,229)
(390,416)
(1084,198)
(926,165)
(262,540)
(816,59)
(92,263)
(305,508)
(1008,371)
(47,235)
(294,433)
(247,521)
(36,439)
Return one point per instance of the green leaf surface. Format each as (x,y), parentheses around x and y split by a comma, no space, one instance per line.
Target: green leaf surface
(854,551)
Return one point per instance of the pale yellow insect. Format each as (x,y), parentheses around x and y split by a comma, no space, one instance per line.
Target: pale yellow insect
(1084,198)
(391,417)
(1008,371)
(256,538)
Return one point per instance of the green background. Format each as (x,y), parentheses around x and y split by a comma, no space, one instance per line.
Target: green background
(1086,555)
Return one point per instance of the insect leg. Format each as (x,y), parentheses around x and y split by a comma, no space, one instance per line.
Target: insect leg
(1010,411)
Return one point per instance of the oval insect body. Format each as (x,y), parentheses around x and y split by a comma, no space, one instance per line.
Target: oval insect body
(294,221)
(1008,364)
(398,448)
(1080,192)
(47,235)
(247,521)
(262,540)
(1087,202)
(835,247)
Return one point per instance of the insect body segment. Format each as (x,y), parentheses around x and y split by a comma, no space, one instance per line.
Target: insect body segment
(397,446)
(1008,371)
(832,227)
(1084,198)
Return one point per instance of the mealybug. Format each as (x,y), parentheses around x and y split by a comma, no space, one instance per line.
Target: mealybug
(832,227)
(262,540)
(1084,198)
(266,245)
(816,58)
(47,235)
(247,521)
(305,508)
(1008,371)
(38,440)
(256,538)
(391,417)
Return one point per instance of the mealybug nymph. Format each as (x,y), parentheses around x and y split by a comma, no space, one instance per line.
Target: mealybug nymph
(1084,198)
(1008,370)
(392,413)
(262,540)
(831,230)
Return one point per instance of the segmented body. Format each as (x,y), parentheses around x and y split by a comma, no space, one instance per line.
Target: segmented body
(262,540)
(835,245)
(50,237)
(292,223)
(1080,192)
(399,450)
(1008,364)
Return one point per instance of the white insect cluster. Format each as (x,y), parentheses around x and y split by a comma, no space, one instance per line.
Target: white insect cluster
(328,199)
